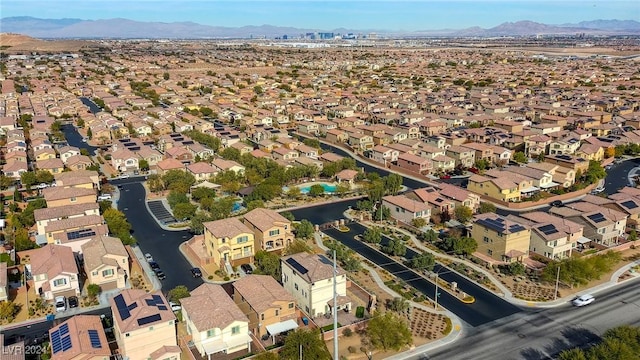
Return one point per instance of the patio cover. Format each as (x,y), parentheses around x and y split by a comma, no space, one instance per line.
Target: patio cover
(281,327)
(549,185)
(584,240)
(529,189)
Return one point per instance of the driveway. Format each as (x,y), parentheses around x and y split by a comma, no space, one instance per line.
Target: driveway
(160,243)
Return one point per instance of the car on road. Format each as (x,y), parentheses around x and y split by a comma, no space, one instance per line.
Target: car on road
(154,265)
(61,303)
(196,272)
(73,302)
(148,257)
(556,203)
(583,300)
(124,176)
(104,197)
(246,268)
(160,274)
(174,306)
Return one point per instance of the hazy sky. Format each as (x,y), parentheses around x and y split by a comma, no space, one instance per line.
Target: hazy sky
(327,15)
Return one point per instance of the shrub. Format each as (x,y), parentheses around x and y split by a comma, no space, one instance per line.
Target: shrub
(448,326)
(348,332)
(226,278)
(210,277)
(352,349)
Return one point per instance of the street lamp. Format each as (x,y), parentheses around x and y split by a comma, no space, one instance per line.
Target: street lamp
(555,294)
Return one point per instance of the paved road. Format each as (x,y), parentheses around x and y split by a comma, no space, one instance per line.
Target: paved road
(617,175)
(75,139)
(542,334)
(488,307)
(161,244)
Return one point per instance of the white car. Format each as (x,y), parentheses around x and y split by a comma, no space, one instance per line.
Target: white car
(148,257)
(104,197)
(583,300)
(61,303)
(174,306)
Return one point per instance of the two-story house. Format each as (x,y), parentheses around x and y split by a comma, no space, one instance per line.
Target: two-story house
(144,325)
(405,209)
(201,171)
(54,271)
(551,236)
(79,337)
(500,188)
(501,239)
(272,231)
(270,308)
(462,156)
(124,160)
(106,262)
(310,278)
(56,196)
(602,225)
(229,241)
(214,321)
(47,215)
(415,163)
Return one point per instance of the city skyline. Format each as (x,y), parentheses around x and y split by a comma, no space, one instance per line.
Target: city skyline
(329,15)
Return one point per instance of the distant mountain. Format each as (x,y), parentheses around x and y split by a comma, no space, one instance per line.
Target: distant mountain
(124,28)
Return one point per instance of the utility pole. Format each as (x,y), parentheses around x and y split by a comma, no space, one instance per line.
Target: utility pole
(336,356)
(555,294)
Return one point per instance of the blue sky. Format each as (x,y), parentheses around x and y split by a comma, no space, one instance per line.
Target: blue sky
(328,15)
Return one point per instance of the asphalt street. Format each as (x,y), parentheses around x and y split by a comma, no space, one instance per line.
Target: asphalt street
(487,307)
(617,175)
(543,334)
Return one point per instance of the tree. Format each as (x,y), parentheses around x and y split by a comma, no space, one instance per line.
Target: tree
(388,331)
(268,264)
(395,247)
(5,181)
(313,348)
(8,310)
(520,157)
(294,192)
(28,179)
(460,246)
(572,354)
(230,153)
(176,198)
(178,180)
(26,216)
(375,191)
(143,164)
(316,190)
(418,222)
(197,222)
(429,236)
(89,134)
(93,290)
(178,293)
(255,204)
(398,304)
(372,235)
(165,76)
(304,229)
(486,207)
(43,176)
(155,183)
(392,183)
(118,225)
(424,261)
(463,214)
(184,211)
(288,215)
(297,246)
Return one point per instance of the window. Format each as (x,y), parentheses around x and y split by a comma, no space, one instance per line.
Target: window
(295,286)
(73,199)
(290,305)
(243,239)
(108,272)
(150,328)
(59,282)
(211,333)
(126,335)
(235,330)
(262,316)
(95,273)
(277,312)
(489,251)
(274,232)
(486,239)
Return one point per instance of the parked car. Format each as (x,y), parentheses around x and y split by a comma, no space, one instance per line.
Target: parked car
(246,268)
(154,265)
(174,306)
(160,274)
(445,177)
(124,176)
(73,301)
(196,272)
(583,300)
(61,303)
(556,203)
(104,197)
(148,257)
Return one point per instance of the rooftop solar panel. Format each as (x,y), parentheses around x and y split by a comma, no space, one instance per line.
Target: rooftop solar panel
(296,265)
(162,307)
(64,329)
(66,343)
(149,319)
(596,218)
(548,229)
(123,310)
(56,344)
(630,204)
(95,339)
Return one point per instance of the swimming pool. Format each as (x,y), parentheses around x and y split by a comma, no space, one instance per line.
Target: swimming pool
(237,206)
(328,188)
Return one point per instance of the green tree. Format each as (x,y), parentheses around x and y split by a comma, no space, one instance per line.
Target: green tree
(258,90)
(372,235)
(393,183)
(143,165)
(389,331)
(294,192)
(28,179)
(89,134)
(313,348)
(424,261)
(375,191)
(197,222)
(178,293)
(418,222)
(572,354)
(104,205)
(93,290)
(202,192)
(118,225)
(430,236)
(155,183)
(288,215)
(178,180)
(43,176)
(398,304)
(486,207)
(22,241)
(297,246)
(165,76)
(304,229)
(520,157)
(26,216)
(460,246)
(230,153)
(5,182)
(316,190)
(184,211)
(268,264)
(395,247)
(8,311)
(463,214)
(175,197)
(255,204)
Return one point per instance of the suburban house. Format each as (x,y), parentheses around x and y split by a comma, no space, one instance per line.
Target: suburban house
(270,308)
(415,163)
(54,166)
(462,156)
(459,196)
(551,236)
(74,232)
(602,225)
(501,188)
(54,271)
(124,160)
(229,241)
(79,337)
(106,262)
(47,215)
(405,209)
(166,165)
(4,282)
(431,196)
(272,231)
(201,170)
(569,161)
(215,322)
(501,239)
(78,162)
(89,179)
(309,278)
(68,151)
(144,325)
(57,197)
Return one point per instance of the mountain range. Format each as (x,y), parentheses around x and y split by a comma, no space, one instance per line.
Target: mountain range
(125,28)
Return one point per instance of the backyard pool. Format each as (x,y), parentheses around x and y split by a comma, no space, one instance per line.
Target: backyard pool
(328,187)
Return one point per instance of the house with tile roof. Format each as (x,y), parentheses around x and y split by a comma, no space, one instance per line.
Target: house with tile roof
(216,324)
(201,171)
(405,209)
(106,262)
(229,241)
(551,236)
(79,337)
(309,278)
(499,188)
(144,325)
(501,239)
(56,196)
(602,225)
(273,232)
(54,271)
(269,307)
